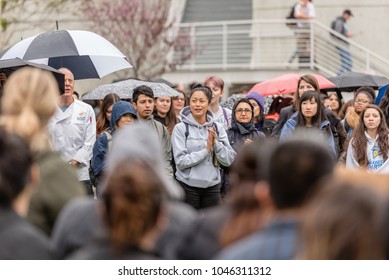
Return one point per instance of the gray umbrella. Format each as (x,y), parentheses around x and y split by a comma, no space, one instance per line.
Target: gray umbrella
(125,89)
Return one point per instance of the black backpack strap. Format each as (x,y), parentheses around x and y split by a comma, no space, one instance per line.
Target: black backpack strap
(186,130)
(216,128)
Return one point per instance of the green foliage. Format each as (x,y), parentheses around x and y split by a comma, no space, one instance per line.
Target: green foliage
(4,24)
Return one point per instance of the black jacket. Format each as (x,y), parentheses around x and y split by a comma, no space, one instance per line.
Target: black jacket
(19,240)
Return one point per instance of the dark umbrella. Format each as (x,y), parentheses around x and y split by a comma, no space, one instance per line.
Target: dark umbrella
(351,81)
(86,54)
(7,66)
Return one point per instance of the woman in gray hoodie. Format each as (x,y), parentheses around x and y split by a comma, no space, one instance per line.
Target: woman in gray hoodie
(200,146)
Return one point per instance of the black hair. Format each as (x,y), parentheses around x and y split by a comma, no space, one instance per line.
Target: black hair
(320,115)
(370,93)
(145,90)
(295,168)
(199,87)
(15,165)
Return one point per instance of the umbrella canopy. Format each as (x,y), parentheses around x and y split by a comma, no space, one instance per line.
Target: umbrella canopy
(351,81)
(7,66)
(125,89)
(86,54)
(230,100)
(286,84)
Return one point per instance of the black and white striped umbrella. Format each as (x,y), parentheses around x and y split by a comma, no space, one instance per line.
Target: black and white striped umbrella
(86,54)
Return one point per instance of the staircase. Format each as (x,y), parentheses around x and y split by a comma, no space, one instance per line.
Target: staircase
(250,51)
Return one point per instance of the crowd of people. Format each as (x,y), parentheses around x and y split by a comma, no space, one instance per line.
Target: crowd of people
(161,177)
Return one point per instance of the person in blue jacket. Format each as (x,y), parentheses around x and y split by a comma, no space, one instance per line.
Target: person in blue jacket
(310,115)
(123,114)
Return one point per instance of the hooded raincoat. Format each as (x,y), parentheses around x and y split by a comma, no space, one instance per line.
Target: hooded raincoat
(100,148)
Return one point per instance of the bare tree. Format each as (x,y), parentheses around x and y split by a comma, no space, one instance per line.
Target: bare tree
(144,31)
(18,15)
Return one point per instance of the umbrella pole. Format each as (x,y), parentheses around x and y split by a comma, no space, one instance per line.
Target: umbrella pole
(56,24)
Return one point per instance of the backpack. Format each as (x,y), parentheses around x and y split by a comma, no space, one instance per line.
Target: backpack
(291,16)
(186,137)
(333,27)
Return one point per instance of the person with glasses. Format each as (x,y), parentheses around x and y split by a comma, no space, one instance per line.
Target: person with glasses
(241,133)
(242,129)
(362,97)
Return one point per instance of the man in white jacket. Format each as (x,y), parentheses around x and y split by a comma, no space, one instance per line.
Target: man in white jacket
(73,131)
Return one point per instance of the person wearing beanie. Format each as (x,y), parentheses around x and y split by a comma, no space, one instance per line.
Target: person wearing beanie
(257,101)
(123,114)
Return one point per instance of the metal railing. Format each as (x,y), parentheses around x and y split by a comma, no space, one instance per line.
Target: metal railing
(271,44)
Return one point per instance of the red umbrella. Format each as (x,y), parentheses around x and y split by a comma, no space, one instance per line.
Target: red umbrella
(286,84)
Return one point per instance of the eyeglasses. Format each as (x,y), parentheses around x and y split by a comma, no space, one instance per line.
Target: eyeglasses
(362,101)
(240,111)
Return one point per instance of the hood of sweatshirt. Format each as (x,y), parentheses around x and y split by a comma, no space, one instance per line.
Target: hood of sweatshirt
(187,117)
(119,109)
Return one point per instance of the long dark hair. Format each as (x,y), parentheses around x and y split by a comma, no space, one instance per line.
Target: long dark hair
(102,122)
(310,80)
(170,119)
(359,143)
(340,102)
(320,115)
